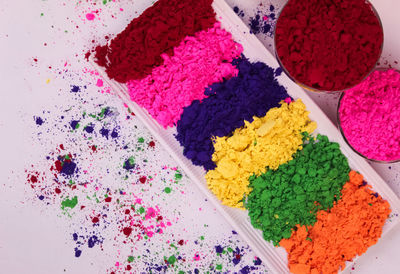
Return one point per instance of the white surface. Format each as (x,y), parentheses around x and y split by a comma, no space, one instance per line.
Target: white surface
(42,248)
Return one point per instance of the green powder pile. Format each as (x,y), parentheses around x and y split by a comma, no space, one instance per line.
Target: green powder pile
(293,193)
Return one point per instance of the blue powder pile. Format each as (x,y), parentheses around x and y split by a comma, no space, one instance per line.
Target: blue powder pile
(252,93)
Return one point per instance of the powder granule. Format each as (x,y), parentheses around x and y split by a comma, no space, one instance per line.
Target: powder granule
(252,93)
(266,142)
(280,199)
(353,225)
(197,62)
(136,50)
(370,116)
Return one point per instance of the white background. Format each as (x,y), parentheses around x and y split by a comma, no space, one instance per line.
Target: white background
(31,242)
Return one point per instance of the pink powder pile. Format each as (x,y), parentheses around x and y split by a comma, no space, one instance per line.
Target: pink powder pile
(370,116)
(197,62)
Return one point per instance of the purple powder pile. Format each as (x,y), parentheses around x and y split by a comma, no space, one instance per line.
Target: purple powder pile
(252,93)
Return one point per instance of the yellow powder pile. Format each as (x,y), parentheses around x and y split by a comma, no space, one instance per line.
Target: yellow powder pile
(266,142)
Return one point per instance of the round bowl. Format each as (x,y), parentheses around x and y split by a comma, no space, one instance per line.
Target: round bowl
(313,89)
(344,136)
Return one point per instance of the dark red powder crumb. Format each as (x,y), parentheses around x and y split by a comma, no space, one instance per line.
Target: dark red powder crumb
(108,199)
(127,231)
(328,44)
(136,50)
(95,220)
(143,179)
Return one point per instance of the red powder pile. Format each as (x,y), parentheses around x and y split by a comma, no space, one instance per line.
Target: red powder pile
(352,225)
(136,50)
(328,44)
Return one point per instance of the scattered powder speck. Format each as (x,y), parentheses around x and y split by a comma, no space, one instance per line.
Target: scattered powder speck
(263,21)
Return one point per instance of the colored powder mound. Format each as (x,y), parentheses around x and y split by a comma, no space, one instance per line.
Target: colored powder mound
(370,116)
(252,93)
(348,229)
(328,44)
(197,62)
(266,142)
(280,199)
(136,50)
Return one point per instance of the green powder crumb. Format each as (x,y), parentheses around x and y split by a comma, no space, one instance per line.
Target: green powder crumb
(167,190)
(130,259)
(141,140)
(218,267)
(292,194)
(178,175)
(172,259)
(70,203)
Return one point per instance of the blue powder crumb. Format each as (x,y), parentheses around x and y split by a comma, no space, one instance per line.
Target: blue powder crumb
(278,71)
(89,128)
(238,11)
(39,121)
(68,168)
(77,252)
(74,124)
(75,89)
(252,93)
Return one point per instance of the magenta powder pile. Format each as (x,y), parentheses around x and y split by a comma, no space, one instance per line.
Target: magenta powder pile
(369,115)
(199,61)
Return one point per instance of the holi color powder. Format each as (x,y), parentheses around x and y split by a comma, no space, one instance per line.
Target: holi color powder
(328,45)
(198,61)
(347,230)
(370,117)
(252,93)
(280,199)
(136,50)
(265,143)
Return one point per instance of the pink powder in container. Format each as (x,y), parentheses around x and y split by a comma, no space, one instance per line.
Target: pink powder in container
(198,61)
(369,116)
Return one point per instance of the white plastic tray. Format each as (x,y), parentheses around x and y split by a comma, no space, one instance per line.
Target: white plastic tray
(274,257)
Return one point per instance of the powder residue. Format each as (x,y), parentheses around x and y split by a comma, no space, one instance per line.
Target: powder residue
(328,44)
(197,62)
(280,199)
(348,229)
(370,116)
(252,93)
(136,50)
(266,142)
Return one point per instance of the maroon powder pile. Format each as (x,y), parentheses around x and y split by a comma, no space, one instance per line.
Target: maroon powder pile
(328,44)
(136,50)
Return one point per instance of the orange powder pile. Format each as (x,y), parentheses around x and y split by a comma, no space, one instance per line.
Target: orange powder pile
(352,225)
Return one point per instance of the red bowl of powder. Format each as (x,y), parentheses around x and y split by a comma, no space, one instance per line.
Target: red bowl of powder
(328,45)
(369,116)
